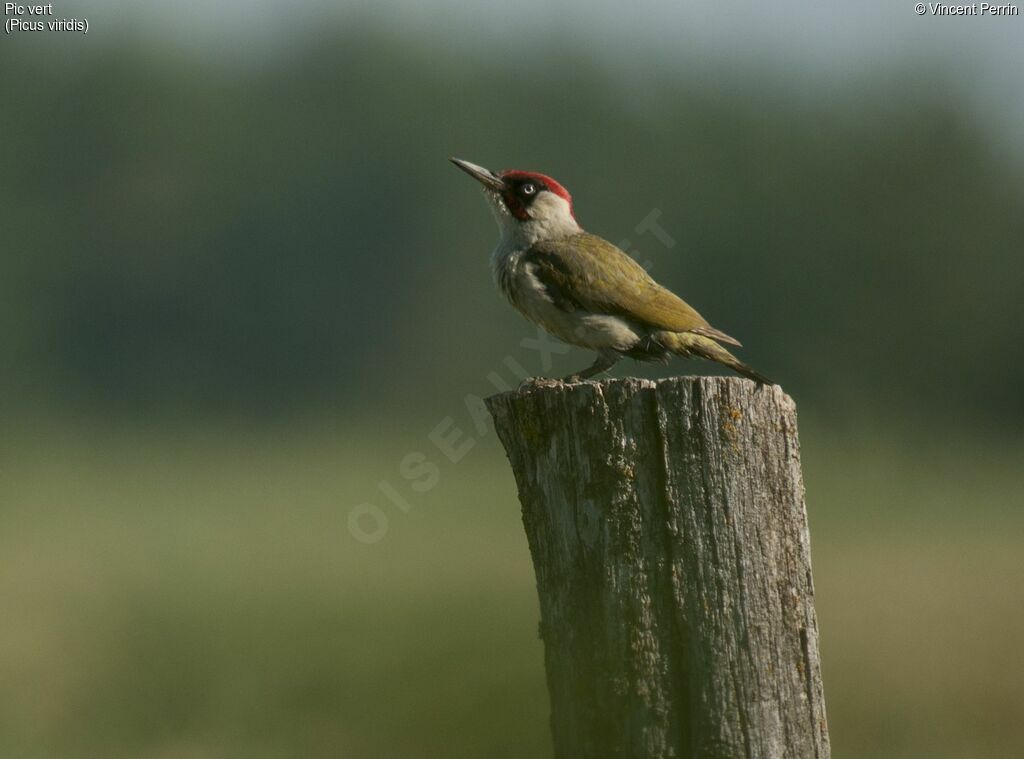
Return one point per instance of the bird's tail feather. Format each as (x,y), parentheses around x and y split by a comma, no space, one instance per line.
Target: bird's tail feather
(691,344)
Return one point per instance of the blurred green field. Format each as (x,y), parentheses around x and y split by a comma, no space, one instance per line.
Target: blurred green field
(252,218)
(194,594)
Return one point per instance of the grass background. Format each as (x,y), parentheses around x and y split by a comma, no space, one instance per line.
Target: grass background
(197,594)
(239,282)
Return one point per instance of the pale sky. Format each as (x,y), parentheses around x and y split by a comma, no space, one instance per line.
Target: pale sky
(808,41)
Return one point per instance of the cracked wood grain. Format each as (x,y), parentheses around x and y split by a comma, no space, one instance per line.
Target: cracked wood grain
(668,531)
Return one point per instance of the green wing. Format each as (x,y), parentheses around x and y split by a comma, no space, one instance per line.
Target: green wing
(589,273)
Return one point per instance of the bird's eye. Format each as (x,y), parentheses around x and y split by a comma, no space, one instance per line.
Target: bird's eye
(529,189)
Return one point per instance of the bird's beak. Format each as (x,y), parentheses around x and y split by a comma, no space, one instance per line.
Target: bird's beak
(486,177)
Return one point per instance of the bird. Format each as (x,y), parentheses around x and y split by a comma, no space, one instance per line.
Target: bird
(581,288)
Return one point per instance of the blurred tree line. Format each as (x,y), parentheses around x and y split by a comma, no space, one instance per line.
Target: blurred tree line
(200,237)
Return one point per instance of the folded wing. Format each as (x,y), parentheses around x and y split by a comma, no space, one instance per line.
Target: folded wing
(589,273)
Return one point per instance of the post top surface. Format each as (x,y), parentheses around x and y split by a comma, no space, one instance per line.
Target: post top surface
(541,386)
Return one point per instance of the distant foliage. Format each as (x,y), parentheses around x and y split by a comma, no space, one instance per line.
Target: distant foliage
(263,239)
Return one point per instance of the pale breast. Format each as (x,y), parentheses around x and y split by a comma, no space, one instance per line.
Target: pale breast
(520,284)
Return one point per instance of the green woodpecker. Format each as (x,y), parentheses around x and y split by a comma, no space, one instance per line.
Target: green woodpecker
(583,289)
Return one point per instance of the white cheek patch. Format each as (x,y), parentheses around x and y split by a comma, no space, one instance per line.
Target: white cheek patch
(550,207)
(550,218)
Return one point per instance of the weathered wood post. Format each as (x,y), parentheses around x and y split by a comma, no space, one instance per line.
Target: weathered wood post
(668,531)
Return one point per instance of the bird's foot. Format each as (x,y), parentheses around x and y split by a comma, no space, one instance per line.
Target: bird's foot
(603,363)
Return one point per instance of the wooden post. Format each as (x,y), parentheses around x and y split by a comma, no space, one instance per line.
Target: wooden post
(668,531)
